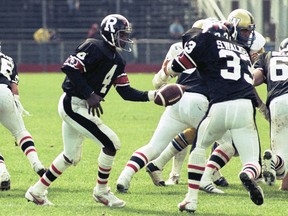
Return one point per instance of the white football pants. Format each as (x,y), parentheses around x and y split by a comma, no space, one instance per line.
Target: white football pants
(279,126)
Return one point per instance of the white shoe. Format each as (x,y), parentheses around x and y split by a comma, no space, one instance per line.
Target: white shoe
(4,181)
(108,199)
(122,185)
(189,206)
(209,187)
(37,198)
(173,179)
(268,168)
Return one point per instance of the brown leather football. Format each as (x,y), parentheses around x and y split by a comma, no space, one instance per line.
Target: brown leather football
(169,94)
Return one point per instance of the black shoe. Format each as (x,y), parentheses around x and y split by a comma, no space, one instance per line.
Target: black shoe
(121,188)
(255,191)
(222,182)
(41,172)
(5,185)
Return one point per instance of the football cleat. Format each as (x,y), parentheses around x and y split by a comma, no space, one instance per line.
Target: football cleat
(268,168)
(173,179)
(108,199)
(210,188)
(4,181)
(187,206)
(122,185)
(155,174)
(221,182)
(38,199)
(255,191)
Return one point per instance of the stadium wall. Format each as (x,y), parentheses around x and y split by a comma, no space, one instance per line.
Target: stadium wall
(130,68)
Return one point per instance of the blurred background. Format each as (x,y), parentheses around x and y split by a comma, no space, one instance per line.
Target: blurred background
(40,34)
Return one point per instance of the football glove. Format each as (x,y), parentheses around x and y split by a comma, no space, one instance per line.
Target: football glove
(19,106)
(152,94)
(160,79)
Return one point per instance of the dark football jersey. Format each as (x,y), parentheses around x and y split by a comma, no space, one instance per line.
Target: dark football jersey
(223,64)
(193,82)
(191,78)
(275,71)
(95,66)
(8,70)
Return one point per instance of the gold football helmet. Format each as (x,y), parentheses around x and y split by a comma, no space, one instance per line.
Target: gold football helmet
(244,26)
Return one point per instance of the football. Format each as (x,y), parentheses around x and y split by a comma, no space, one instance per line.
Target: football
(169,94)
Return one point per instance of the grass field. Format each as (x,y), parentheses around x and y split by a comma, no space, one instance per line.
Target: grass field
(134,123)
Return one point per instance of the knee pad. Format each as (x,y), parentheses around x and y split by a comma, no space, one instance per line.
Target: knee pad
(73,158)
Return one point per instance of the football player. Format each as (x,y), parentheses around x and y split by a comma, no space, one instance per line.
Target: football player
(271,68)
(90,72)
(244,24)
(245,33)
(224,64)
(154,169)
(187,113)
(11,118)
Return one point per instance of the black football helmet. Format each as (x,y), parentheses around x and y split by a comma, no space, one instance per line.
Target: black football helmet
(284,46)
(218,29)
(243,20)
(116,30)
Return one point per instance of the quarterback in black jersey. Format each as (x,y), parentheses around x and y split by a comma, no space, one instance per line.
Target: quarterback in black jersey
(271,68)
(90,72)
(224,65)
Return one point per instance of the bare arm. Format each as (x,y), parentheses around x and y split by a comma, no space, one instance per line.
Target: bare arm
(258,77)
(14,88)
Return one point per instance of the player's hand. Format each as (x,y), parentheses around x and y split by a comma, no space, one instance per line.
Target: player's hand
(160,79)
(94,104)
(264,111)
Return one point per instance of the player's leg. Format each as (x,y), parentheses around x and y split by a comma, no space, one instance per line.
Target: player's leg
(275,161)
(167,128)
(223,151)
(191,108)
(217,177)
(74,112)
(246,141)
(4,175)
(177,163)
(210,129)
(219,157)
(178,144)
(13,121)
(72,143)
(284,183)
